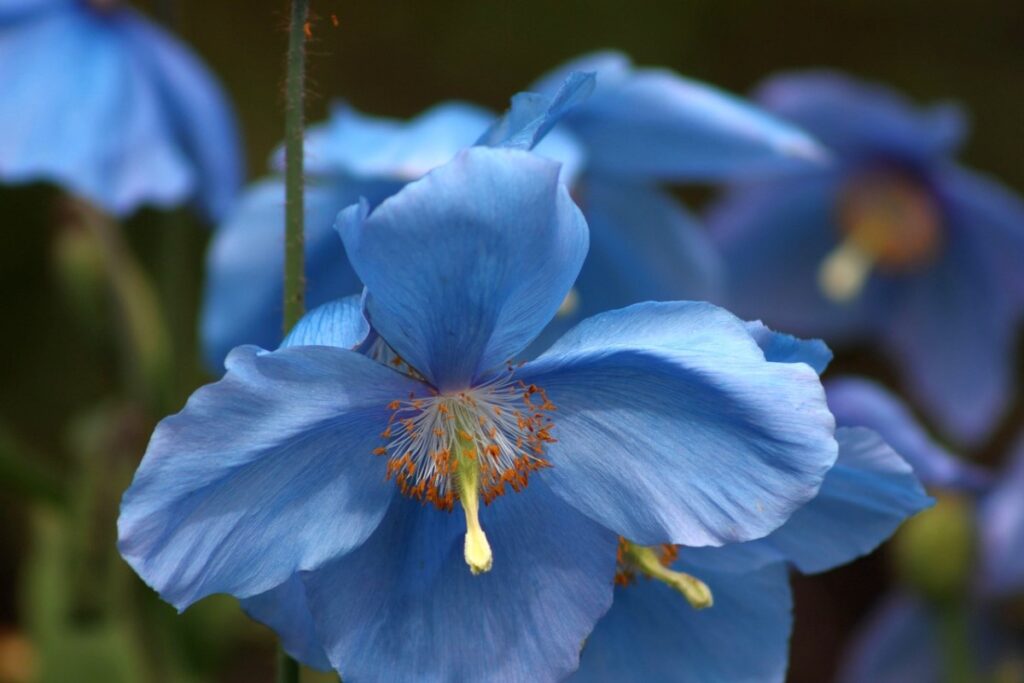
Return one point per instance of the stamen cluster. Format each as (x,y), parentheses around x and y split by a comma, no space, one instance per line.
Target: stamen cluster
(625,571)
(500,427)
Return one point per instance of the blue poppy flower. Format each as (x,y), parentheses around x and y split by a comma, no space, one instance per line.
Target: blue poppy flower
(903,638)
(893,244)
(348,157)
(650,634)
(642,129)
(663,423)
(102,102)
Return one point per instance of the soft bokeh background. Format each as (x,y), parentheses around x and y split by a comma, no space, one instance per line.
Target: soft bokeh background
(397,57)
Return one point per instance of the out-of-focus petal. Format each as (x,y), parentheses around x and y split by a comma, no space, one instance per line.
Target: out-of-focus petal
(652,634)
(465,267)
(405,606)
(267,472)
(1001,526)
(671,426)
(532,115)
(899,643)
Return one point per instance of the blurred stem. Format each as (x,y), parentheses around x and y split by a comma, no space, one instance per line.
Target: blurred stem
(24,473)
(956,642)
(294,265)
(287,669)
(177,282)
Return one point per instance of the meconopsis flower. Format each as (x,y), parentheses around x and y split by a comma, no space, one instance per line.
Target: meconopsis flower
(651,635)
(348,157)
(642,129)
(105,104)
(894,245)
(420,507)
(960,564)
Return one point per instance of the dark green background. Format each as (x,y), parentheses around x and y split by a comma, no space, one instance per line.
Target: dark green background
(397,58)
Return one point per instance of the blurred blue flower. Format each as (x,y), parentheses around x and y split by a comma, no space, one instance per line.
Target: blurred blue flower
(102,102)
(348,157)
(904,638)
(651,635)
(663,423)
(894,244)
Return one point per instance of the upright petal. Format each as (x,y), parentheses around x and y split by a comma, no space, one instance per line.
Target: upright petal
(652,634)
(243,298)
(671,426)
(655,124)
(858,402)
(863,500)
(200,115)
(1001,526)
(952,331)
(466,266)
(267,472)
(860,120)
(532,115)
(784,348)
(405,607)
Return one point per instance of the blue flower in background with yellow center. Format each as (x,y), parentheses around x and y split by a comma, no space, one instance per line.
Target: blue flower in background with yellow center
(419,507)
(893,245)
(102,102)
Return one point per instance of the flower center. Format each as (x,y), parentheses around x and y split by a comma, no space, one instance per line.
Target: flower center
(467,445)
(889,221)
(655,563)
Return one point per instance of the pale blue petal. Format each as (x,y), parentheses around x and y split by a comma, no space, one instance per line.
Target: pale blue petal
(405,606)
(860,120)
(201,117)
(858,402)
(267,472)
(119,148)
(466,266)
(243,298)
(532,115)
(370,147)
(1001,526)
(655,124)
(785,348)
(19,10)
(652,634)
(773,238)
(337,323)
(672,428)
(286,611)
(867,494)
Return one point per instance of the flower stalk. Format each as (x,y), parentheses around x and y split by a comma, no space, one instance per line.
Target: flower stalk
(294,259)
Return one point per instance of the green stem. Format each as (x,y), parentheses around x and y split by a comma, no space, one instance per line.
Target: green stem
(177,280)
(294,255)
(287,669)
(955,637)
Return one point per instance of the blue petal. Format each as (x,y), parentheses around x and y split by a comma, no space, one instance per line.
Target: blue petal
(19,10)
(900,643)
(995,215)
(784,348)
(337,323)
(1001,525)
(656,124)
(857,119)
(285,610)
(532,115)
(672,428)
(858,402)
(264,473)
(242,303)
(865,497)
(201,117)
(652,634)
(773,238)
(119,149)
(376,147)
(952,332)
(405,606)
(466,266)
